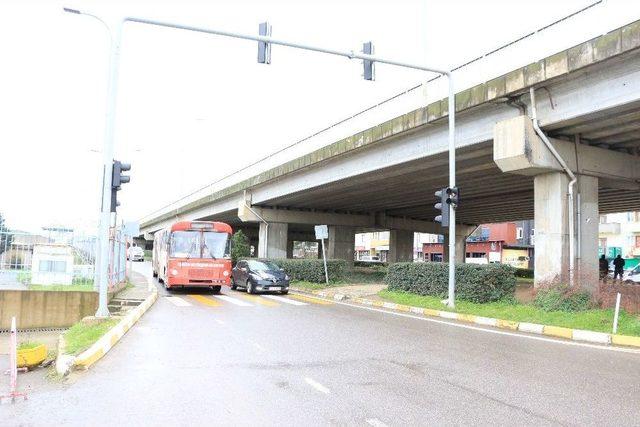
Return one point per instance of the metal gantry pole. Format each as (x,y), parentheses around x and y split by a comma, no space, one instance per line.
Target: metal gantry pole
(115,46)
(107,164)
(452,184)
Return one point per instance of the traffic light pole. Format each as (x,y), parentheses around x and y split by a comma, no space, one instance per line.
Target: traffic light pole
(110,120)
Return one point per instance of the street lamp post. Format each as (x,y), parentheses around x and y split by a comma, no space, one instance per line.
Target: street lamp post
(110,120)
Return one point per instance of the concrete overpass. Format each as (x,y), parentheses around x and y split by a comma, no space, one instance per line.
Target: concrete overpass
(588,102)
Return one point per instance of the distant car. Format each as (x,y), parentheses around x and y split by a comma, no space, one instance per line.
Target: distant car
(259,276)
(135,253)
(370,258)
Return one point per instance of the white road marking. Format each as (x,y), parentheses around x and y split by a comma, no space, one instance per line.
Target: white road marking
(178,301)
(316,385)
(495,331)
(285,300)
(376,422)
(233,300)
(219,322)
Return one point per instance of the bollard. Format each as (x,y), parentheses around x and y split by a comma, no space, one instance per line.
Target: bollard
(615,316)
(13,365)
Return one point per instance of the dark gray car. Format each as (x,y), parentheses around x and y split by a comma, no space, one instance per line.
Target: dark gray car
(259,276)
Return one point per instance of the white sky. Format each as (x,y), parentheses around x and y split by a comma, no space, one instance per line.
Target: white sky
(193,107)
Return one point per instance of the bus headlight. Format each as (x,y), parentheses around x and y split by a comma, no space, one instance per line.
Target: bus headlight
(225,273)
(174,272)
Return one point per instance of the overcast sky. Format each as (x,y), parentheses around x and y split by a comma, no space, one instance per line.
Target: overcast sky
(192,107)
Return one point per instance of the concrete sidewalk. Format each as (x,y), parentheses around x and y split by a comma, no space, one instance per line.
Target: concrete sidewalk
(141,289)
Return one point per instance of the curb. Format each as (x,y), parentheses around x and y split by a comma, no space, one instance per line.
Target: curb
(531,328)
(64,363)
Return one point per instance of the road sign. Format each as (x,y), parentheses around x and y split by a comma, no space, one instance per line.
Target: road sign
(322,232)
(131,228)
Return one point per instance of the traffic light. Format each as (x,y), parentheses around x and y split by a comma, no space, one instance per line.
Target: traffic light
(443,207)
(264,48)
(117,179)
(448,198)
(369,66)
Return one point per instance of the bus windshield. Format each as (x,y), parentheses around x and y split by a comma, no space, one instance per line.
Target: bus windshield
(185,244)
(198,244)
(215,245)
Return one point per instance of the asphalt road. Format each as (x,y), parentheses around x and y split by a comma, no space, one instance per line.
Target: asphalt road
(243,360)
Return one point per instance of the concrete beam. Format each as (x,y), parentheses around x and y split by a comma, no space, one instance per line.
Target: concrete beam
(379,221)
(518,149)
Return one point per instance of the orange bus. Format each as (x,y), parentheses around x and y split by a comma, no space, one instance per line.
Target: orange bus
(193,253)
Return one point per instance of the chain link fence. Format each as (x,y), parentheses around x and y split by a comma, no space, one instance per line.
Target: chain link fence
(59,259)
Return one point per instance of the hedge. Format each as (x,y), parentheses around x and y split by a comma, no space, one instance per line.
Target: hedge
(475,283)
(369,264)
(312,270)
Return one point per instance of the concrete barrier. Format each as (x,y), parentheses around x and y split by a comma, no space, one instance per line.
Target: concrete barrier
(45,309)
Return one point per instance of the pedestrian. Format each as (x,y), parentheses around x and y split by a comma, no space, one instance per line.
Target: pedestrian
(604,267)
(618,267)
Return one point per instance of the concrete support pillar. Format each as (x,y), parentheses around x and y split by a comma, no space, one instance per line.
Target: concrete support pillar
(273,240)
(290,249)
(552,230)
(462,232)
(400,246)
(587,227)
(341,243)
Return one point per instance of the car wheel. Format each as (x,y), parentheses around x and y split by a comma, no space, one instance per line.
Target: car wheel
(284,292)
(233,284)
(249,287)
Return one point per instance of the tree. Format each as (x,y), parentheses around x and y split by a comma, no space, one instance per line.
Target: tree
(240,247)
(5,237)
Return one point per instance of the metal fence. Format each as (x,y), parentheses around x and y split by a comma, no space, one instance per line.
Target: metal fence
(40,260)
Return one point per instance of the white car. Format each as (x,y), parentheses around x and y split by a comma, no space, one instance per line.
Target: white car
(135,253)
(633,274)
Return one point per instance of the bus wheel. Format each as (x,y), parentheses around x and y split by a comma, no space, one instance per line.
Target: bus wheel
(216,289)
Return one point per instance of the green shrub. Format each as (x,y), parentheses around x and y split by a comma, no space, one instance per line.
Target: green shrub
(312,270)
(240,247)
(524,272)
(475,283)
(562,298)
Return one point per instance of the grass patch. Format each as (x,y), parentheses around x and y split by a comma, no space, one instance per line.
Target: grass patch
(28,345)
(598,320)
(86,287)
(81,336)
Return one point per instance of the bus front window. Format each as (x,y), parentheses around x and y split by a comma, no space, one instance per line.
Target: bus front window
(216,245)
(185,244)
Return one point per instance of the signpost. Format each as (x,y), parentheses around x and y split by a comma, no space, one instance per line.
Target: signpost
(322,232)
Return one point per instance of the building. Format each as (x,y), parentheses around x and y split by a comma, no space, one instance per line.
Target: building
(508,243)
(619,234)
(377,244)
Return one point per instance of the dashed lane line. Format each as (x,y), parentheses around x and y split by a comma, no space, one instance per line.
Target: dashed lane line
(206,301)
(234,301)
(256,299)
(319,387)
(178,301)
(285,300)
(375,422)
